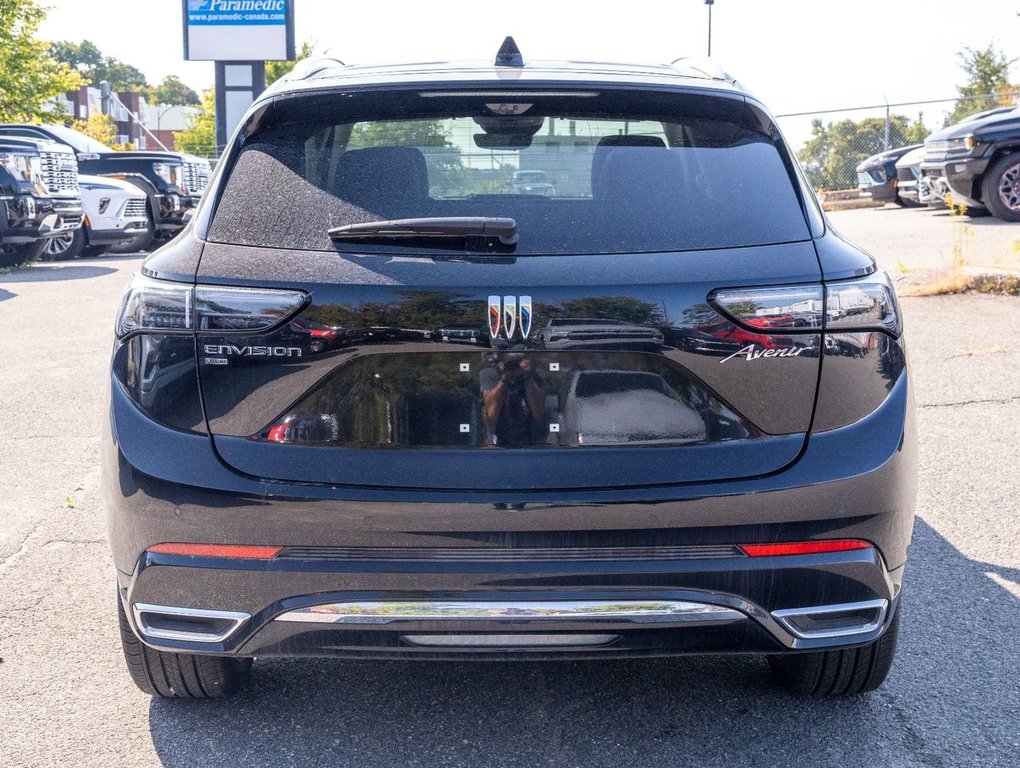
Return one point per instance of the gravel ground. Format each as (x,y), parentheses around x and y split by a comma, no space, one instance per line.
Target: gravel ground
(953,698)
(919,246)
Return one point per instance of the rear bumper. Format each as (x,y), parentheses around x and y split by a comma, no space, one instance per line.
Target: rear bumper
(398,546)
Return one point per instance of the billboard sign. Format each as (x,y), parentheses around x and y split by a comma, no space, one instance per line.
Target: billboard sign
(238,30)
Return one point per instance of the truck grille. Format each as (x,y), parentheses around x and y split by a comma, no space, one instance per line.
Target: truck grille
(196,177)
(60,172)
(135,209)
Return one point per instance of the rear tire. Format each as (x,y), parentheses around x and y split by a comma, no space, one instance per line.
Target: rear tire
(179,675)
(839,673)
(1000,188)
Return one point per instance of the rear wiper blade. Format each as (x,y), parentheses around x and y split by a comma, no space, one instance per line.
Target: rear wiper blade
(437,227)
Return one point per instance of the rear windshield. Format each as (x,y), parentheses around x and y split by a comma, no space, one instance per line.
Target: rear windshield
(586,173)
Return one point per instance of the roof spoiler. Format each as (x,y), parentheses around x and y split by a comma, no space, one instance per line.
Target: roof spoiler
(306,68)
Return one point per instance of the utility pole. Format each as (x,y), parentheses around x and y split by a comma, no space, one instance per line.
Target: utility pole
(710,3)
(886,122)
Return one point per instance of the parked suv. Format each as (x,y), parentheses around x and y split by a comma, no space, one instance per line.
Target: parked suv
(977,161)
(39,197)
(877,177)
(115,214)
(399,496)
(173,182)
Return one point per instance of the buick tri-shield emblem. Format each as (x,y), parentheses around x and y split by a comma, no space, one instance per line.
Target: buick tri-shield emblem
(525,315)
(494,315)
(510,313)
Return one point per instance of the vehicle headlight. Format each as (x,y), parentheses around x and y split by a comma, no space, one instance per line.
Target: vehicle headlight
(19,166)
(959,144)
(169,172)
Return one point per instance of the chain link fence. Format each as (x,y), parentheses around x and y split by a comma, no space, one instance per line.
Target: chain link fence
(831,143)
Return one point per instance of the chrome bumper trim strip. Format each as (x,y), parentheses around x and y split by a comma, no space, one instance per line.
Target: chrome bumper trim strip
(384,612)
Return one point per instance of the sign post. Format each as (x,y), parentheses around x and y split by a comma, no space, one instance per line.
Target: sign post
(239,36)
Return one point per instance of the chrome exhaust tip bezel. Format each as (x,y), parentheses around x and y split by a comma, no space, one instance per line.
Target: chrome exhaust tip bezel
(787,616)
(140,610)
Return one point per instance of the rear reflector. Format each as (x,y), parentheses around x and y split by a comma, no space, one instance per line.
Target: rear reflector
(236,551)
(803,547)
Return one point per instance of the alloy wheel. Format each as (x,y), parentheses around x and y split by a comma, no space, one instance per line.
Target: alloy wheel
(1009,187)
(59,245)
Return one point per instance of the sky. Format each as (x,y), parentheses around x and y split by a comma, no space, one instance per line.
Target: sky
(795,55)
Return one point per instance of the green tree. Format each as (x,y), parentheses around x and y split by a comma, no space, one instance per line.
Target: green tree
(29,76)
(94,67)
(172,91)
(831,156)
(99,127)
(199,138)
(987,85)
(277,69)
(84,56)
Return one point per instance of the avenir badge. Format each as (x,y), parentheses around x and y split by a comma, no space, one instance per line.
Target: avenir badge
(749,353)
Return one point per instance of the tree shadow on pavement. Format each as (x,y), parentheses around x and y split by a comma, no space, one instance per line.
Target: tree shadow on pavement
(950,701)
(45,273)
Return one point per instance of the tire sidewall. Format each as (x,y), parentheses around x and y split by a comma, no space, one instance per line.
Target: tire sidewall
(990,187)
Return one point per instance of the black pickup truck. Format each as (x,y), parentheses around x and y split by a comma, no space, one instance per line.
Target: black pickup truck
(39,196)
(174,182)
(978,160)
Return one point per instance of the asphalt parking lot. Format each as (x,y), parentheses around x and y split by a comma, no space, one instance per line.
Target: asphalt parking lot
(953,698)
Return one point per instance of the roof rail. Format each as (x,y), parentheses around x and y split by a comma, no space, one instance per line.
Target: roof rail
(306,68)
(707,67)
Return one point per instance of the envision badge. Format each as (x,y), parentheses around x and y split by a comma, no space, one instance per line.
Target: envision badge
(230,350)
(510,313)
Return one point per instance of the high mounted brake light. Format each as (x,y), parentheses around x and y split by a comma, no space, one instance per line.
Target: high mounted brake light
(159,306)
(861,304)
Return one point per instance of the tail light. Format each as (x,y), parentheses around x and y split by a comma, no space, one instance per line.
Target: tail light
(793,308)
(861,304)
(158,306)
(239,551)
(804,547)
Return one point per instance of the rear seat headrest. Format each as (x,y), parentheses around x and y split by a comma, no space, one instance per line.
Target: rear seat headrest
(383,180)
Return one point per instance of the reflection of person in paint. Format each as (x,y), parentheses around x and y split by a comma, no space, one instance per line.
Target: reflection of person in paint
(514,400)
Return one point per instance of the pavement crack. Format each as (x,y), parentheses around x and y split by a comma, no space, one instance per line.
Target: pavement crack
(978,401)
(73,541)
(912,737)
(22,547)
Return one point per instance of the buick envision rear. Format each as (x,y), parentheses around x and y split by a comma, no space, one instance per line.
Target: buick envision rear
(674,417)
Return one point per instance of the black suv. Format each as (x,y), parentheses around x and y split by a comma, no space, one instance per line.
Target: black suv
(173,182)
(394,495)
(877,178)
(978,162)
(39,197)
